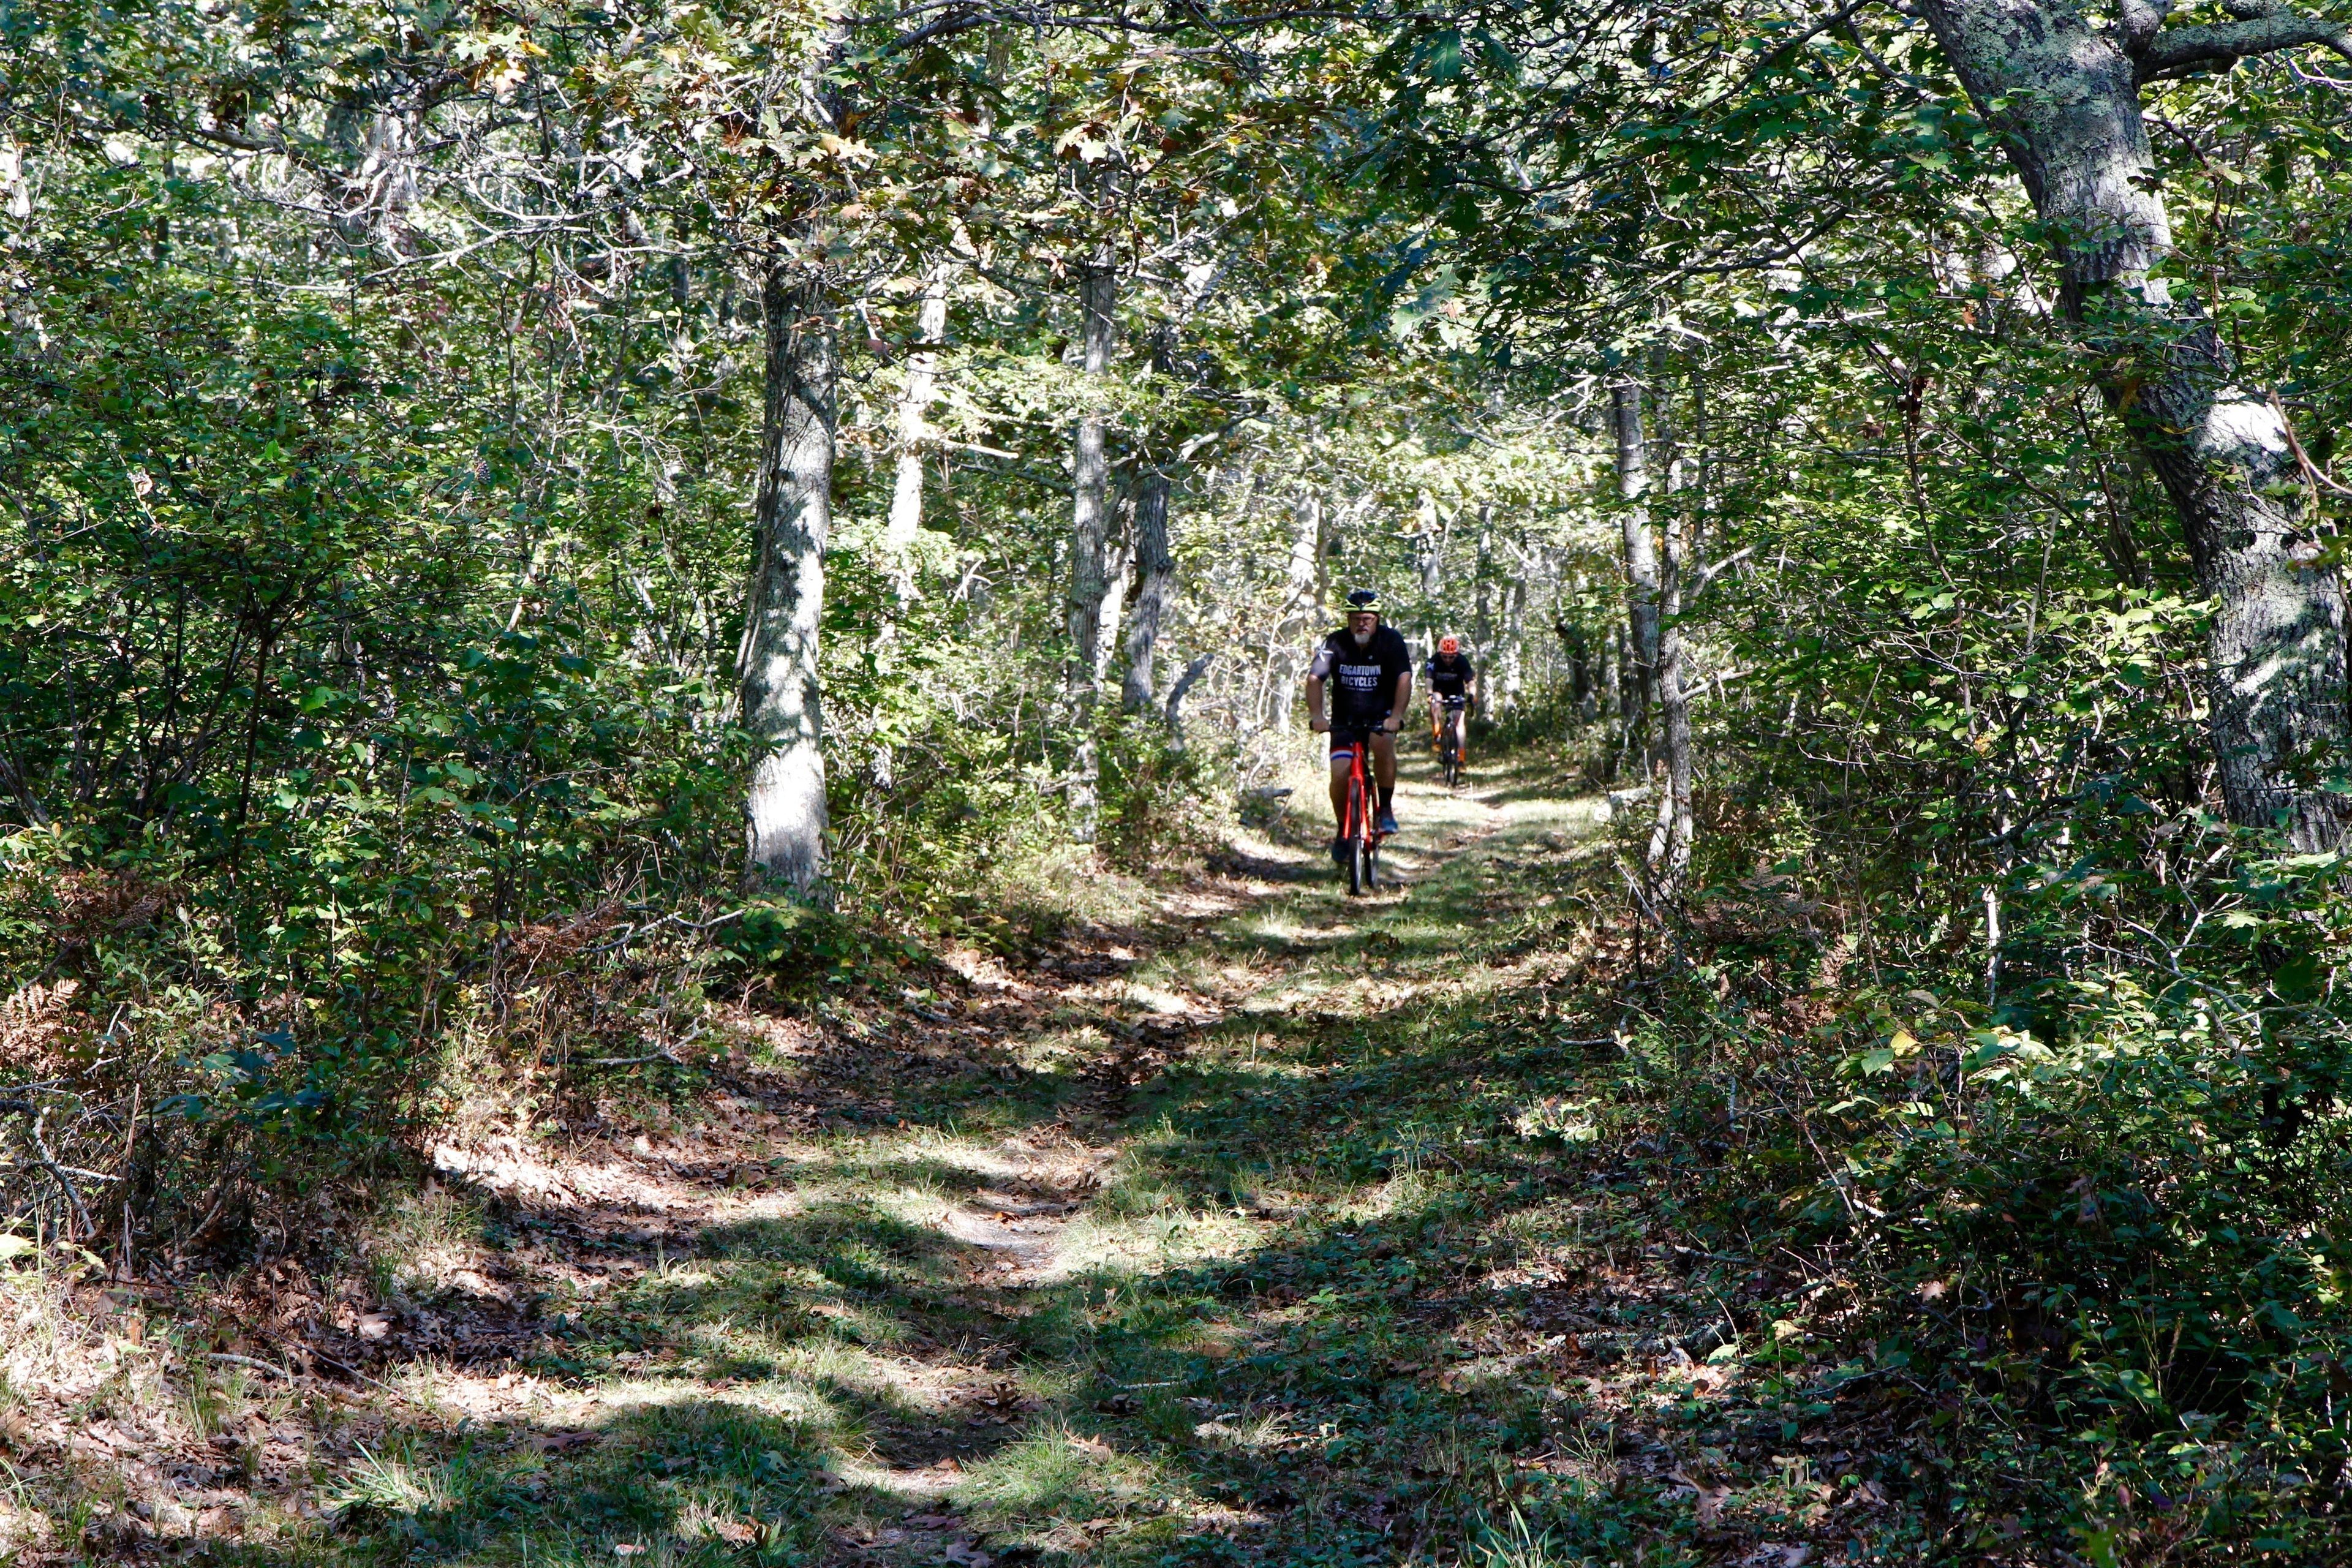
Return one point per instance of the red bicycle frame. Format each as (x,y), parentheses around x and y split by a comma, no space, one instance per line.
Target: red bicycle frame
(1361,828)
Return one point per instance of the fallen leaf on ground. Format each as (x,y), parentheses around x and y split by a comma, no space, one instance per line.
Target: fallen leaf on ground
(1709,1499)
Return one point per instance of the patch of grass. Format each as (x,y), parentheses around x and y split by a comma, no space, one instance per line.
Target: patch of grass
(687,1480)
(402,1482)
(1053,1477)
(1515,1543)
(419,1239)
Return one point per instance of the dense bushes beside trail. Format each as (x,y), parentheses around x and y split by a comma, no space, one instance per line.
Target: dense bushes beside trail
(2091,1283)
(2037,1069)
(451,928)
(366,726)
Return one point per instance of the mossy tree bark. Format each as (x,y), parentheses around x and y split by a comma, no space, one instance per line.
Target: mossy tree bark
(2065,90)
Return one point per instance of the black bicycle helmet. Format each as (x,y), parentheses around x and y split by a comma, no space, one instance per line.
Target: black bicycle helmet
(1361,599)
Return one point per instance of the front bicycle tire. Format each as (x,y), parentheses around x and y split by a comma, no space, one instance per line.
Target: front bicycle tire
(1357,824)
(1360,855)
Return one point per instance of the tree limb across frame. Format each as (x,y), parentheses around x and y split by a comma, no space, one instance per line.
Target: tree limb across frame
(2174,52)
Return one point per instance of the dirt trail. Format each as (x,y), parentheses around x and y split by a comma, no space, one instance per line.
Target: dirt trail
(935,1276)
(1128,1004)
(1027,1227)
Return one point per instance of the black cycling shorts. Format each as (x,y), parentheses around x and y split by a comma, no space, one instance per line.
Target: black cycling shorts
(1343,741)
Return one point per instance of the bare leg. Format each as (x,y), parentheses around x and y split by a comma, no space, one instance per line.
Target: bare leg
(1384,760)
(1339,796)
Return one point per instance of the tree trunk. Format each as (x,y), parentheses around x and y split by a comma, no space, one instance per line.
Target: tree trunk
(1155,560)
(1584,664)
(1641,563)
(1176,695)
(1626,687)
(1581,685)
(1670,835)
(1509,657)
(1429,558)
(1482,612)
(2064,93)
(1119,576)
(1154,556)
(905,522)
(792,515)
(1090,537)
(1299,602)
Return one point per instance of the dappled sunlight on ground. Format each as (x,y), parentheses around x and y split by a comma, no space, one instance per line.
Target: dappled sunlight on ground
(1226,1224)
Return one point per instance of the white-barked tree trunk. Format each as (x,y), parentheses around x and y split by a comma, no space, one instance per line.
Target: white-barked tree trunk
(792,517)
(1090,539)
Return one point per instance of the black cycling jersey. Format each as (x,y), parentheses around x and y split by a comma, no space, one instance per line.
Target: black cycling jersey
(1361,679)
(1450,677)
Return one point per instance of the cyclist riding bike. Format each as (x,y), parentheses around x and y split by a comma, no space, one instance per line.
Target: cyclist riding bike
(1369,671)
(1452,687)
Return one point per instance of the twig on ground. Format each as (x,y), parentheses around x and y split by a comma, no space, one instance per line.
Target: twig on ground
(73,1194)
(344,1367)
(249,1361)
(350,1371)
(634,932)
(69,1170)
(664,1054)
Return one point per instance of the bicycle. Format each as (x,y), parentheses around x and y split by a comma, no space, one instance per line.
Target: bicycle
(1449,740)
(1360,829)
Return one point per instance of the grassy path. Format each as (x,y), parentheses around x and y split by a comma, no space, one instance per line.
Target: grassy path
(1267,1230)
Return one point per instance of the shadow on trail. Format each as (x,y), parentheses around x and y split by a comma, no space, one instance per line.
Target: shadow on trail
(1498,792)
(1283,1404)
(706,1478)
(1351,1278)
(1386,1363)
(1268,869)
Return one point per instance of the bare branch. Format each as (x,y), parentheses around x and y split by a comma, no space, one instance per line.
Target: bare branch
(2184,51)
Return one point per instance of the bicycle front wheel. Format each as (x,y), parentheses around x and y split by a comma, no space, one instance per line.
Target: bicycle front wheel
(1361,856)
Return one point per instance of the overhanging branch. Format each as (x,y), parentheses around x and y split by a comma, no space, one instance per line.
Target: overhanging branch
(2184,51)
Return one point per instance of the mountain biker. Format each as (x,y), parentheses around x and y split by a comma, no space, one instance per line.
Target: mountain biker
(1453,687)
(1370,672)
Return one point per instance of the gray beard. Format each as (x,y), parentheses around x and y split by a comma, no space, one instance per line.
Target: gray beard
(1364,641)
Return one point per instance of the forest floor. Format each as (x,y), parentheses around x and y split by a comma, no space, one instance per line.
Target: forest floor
(1269,1227)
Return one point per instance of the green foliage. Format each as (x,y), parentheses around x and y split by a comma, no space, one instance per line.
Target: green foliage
(1156,795)
(378,430)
